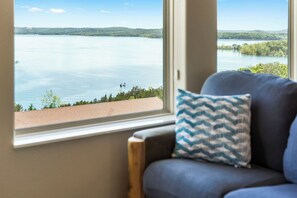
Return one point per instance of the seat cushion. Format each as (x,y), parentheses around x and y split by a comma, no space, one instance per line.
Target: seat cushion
(182,178)
(274,108)
(290,157)
(279,191)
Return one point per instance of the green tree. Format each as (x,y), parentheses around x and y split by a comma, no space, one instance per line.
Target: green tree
(18,107)
(65,105)
(82,102)
(50,100)
(31,108)
(104,98)
(275,68)
(110,98)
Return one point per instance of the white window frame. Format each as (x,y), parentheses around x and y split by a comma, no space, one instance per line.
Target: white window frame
(293,39)
(167,86)
(178,61)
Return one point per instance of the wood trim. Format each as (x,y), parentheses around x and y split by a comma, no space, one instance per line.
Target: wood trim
(136,163)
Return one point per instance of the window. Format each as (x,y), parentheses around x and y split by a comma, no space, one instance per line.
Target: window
(253,35)
(89,61)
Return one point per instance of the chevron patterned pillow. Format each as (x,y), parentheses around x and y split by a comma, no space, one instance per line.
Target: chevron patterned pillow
(213,128)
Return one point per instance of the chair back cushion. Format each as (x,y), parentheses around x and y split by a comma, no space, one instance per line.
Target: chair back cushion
(273,109)
(290,158)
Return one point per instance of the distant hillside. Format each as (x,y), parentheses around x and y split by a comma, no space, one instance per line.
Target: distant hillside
(113,31)
(149,33)
(267,31)
(253,35)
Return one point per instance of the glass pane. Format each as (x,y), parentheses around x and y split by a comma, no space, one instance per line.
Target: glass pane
(77,60)
(253,34)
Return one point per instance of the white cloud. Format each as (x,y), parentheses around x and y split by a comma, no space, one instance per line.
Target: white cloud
(57,11)
(105,11)
(23,6)
(35,9)
(128,4)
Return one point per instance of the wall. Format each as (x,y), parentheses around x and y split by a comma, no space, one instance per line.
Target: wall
(90,167)
(201,42)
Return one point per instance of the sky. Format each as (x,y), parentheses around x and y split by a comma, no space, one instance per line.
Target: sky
(252,14)
(89,13)
(232,14)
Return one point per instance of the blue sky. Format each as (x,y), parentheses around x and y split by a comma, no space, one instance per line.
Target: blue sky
(252,14)
(89,13)
(232,14)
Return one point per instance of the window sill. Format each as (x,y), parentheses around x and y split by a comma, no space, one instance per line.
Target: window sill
(34,139)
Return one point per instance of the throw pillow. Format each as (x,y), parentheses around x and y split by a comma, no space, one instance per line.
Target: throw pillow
(290,156)
(213,128)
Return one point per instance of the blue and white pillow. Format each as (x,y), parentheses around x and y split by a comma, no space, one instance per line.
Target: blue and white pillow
(213,128)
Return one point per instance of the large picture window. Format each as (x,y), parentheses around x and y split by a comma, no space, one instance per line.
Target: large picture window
(81,60)
(253,35)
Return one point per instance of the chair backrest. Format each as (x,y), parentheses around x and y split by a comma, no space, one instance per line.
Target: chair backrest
(274,107)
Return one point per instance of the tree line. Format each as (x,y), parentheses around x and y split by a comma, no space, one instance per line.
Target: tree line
(50,100)
(257,35)
(276,68)
(141,32)
(112,31)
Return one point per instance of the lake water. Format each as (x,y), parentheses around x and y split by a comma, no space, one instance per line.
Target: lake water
(83,68)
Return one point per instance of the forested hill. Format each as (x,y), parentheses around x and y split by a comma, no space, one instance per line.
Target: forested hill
(253,35)
(113,31)
(149,33)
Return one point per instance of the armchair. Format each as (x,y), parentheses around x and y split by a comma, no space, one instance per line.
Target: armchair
(154,174)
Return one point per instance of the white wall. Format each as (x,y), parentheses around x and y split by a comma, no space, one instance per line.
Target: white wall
(90,167)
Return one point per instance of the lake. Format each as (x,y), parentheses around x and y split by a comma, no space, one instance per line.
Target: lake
(83,68)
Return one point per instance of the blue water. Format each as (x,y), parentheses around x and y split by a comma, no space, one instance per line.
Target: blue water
(83,68)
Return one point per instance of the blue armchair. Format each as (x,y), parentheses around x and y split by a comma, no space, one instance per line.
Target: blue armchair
(154,174)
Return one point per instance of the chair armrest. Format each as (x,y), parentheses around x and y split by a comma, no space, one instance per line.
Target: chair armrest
(158,142)
(144,147)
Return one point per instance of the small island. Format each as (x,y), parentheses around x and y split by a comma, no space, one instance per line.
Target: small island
(269,48)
